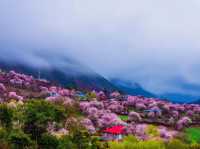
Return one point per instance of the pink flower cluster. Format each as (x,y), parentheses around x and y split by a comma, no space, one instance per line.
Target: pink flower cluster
(101,96)
(66,101)
(183,122)
(87,123)
(20,79)
(115,94)
(100,116)
(139,130)
(13,95)
(163,110)
(108,120)
(116,107)
(60,91)
(134,116)
(159,111)
(2,87)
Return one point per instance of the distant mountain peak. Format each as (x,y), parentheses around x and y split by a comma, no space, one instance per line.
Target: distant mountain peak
(130,87)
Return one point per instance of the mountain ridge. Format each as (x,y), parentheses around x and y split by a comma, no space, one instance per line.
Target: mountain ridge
(131,88)
(62,72)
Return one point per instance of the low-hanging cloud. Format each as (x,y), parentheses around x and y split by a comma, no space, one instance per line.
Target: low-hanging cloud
(152,42)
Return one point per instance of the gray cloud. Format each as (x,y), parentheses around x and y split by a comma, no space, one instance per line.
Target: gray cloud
(149,41)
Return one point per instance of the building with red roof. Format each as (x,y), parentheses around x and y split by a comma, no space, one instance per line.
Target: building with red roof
(113,133)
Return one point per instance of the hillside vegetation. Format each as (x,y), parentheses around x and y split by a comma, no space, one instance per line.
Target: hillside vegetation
(35,114)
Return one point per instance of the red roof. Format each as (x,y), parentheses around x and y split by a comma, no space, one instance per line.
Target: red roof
(114,130)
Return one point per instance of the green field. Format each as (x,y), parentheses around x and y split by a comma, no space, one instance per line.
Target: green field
(193,134)
(123,117)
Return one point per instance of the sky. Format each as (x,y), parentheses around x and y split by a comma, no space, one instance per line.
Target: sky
(152,42)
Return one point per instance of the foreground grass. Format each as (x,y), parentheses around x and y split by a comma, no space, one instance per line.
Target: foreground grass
(193,134)
(130,142)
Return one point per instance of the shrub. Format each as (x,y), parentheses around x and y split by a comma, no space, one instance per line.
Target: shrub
(152,131)
(131,138)
(3,134)
(73,110)
(19,140)
(48,141)
(6,115)
(176,144)
(18,117)
(37,115)
(3,139)
(66,143)
(91,95)
(82,139)
(69,142)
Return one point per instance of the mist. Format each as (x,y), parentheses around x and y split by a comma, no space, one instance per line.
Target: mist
(150,42)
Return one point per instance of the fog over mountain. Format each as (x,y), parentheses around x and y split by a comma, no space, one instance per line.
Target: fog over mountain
(153,43)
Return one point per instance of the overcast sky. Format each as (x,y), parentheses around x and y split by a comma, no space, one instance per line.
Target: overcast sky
(153,42)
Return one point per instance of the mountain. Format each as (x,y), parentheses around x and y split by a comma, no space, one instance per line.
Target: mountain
(179,97)
(196,101)
(188,92)
(131,88)
(60,70)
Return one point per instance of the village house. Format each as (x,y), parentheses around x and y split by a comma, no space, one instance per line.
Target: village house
(113,133)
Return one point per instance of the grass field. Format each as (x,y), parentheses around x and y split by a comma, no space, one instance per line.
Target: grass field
(193,134)
(123,117)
